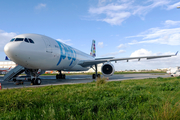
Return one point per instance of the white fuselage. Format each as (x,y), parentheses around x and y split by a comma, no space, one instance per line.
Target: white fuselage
(45,53)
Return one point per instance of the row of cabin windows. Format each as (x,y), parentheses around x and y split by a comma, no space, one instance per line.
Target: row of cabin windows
(28,40)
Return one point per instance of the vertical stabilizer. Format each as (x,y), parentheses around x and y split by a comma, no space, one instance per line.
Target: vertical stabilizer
(93,49)
(6,58)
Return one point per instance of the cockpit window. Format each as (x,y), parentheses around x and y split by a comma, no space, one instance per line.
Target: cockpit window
(19,39)
(26,40)
(12,40)
(30,40)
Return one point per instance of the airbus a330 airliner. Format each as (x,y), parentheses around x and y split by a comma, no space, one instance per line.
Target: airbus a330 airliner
(37,53)
(5,70)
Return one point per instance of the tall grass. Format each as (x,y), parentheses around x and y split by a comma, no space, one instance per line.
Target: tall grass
(101,81)
(131,99)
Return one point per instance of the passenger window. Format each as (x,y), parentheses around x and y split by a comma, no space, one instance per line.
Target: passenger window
(26,40)
(19,39)
(12,40)
(30,40)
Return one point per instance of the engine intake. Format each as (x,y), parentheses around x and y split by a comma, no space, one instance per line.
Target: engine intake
(107,69)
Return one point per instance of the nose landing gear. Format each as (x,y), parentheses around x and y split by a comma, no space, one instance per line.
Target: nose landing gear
(36,81)
(36,73)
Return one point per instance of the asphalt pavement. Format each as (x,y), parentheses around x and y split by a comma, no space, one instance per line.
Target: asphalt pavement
(75,79)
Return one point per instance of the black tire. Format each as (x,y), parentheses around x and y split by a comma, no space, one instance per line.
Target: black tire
(33,81)
(57,77)
(38,81)
(93,76)
(98,76)
(63,76)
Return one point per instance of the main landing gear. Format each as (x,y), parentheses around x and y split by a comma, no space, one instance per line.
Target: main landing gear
(60,75)
(95,75)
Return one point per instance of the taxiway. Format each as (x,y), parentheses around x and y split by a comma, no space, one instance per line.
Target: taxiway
(74,79)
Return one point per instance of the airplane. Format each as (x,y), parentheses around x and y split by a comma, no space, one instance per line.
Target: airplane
(38,53)
(5,69)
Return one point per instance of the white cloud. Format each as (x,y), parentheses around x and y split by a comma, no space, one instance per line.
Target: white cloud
(172,23)
(144,9)
(116,18)
(175,5)
(5,37)
(117,12)
(120,46)
(112,54)
(68,42)
(122,51)
(107,8)
(148,64)
(160,36)
(40,6)
(100,44)
(101,2)
(141,52)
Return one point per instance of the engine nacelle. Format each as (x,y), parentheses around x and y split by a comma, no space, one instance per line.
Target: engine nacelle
(107,69)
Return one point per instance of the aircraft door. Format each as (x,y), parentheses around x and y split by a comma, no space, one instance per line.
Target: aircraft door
(48,45)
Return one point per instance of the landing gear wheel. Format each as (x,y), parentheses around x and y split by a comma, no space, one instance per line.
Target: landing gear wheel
(98,76)
(38,81)
(63,76)
(93,76)
(58,76)
(33,81)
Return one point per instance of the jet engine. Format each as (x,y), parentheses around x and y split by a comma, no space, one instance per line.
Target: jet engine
(107,69)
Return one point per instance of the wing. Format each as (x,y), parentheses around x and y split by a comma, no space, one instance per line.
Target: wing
(86,63)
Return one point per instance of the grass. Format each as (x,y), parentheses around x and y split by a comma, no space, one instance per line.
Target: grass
(101,81)
(151,98)
(150,72)
(123,72)
(116,72)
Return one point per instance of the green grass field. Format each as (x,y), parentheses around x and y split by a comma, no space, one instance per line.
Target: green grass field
(123,72)
(130,99)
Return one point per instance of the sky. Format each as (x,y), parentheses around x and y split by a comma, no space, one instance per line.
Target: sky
(121,28)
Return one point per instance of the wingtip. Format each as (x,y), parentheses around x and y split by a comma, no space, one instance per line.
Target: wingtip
(176,52)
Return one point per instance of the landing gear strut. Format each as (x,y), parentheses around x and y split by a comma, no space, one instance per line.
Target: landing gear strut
(95,75)
(36,80)
(60,75)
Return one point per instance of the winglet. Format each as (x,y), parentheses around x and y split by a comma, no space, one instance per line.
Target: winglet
(176,52)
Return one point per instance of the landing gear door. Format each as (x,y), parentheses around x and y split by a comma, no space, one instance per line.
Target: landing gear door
(48,45)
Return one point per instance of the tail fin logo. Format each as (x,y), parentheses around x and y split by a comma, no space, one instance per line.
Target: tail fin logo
(93,49)
(6,58)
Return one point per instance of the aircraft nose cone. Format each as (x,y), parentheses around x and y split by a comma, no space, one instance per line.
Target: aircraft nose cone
(10,50)
(6,48)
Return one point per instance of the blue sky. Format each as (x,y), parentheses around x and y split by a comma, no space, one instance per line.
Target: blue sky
(121,28)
